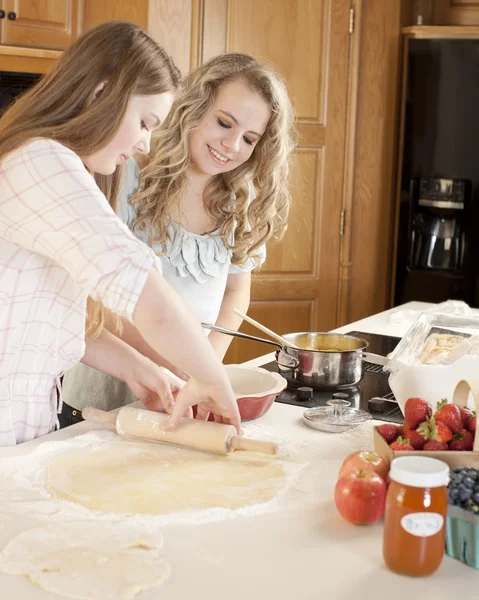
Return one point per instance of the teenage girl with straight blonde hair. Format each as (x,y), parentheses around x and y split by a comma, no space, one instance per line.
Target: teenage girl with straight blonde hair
(60,240)
(214,192)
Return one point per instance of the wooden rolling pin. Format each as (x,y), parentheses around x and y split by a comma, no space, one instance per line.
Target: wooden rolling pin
(207,436)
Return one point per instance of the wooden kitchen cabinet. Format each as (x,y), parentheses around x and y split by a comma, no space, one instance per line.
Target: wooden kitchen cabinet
(173,23)
(50,24)
(441,12)
(455,12)
(99,11)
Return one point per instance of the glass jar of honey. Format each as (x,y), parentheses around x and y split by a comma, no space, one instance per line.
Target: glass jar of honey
(415,517)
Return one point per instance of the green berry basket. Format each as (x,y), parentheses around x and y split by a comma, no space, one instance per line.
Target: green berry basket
(462,536)
(462,526)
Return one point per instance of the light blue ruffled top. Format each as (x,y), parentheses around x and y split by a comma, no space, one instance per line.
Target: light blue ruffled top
(197,266)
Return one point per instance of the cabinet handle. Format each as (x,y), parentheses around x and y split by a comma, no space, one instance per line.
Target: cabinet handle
(2,14)
(12,16)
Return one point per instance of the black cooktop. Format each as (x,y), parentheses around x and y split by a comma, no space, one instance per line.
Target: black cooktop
(374,384)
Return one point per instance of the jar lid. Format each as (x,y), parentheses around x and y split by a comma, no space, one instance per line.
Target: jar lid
(419,471)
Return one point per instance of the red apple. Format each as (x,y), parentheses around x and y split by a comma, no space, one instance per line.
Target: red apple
(360,497)
(366,461)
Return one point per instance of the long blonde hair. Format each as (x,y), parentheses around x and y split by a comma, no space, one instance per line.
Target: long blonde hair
(227,195)
(60,106)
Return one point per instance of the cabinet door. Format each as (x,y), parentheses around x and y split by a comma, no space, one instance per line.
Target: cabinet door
(134,11)
(41,23)
(308,42)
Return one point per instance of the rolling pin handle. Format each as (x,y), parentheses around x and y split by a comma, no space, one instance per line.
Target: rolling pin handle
(95,414)
(238,442)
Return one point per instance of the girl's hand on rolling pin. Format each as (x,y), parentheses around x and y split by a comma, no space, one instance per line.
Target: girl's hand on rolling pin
(218,399)
(154,386)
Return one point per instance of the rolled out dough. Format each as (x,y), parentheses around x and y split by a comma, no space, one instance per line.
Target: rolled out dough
(128,476)
(106,561)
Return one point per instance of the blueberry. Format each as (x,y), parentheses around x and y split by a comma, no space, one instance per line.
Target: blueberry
(458,469)
(468,482)
(458,478)
(475,497)
(454,493)
(472,473)
(464,494)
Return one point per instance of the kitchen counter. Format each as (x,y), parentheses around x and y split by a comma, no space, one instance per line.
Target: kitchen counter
(304,551)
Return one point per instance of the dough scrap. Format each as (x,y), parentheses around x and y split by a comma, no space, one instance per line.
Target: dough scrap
(140,477)
(103,561)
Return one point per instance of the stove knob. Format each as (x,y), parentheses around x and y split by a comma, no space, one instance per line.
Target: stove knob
(304,393)
(377,405)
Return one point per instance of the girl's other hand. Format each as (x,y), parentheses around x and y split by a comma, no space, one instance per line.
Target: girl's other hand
(154,386)
(218,399)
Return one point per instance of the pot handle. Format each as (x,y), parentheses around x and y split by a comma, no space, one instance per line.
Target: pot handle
(375,359)
(239,334)
(293,362)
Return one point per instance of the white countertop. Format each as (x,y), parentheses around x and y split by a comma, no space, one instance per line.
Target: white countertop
(293,554)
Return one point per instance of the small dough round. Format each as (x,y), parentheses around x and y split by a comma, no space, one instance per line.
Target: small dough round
(137,477)
(105,561)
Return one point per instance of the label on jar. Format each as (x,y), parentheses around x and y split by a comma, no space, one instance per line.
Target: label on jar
(422,524)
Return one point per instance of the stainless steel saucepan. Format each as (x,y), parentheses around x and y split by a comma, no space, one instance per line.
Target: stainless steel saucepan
(321,360)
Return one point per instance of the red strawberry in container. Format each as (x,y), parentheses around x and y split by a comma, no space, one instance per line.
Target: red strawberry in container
(401,444)
(471,424)
(416,440)
(464,440)
(450,414)
(435,446)
(466,413)
(435,431)
(390,432)
(416,410)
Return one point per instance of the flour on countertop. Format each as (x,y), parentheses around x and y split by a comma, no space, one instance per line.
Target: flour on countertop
(307,463)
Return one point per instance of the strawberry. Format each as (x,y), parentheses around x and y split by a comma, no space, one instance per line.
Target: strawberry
(416,440)
(401,444)
(463,440)
(416,410)
(389,431)
(428,446)
(471,424)
(450,414)
(465,414)
(435,431)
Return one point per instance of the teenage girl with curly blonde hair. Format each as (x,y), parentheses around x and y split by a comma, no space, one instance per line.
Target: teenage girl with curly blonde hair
(213,194)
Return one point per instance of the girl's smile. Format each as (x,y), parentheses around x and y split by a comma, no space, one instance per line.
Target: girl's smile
(227,135)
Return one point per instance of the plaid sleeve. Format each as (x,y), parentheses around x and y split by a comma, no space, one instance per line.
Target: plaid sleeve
(51,205)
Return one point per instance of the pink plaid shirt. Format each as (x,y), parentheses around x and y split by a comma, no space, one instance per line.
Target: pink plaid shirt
(60,241)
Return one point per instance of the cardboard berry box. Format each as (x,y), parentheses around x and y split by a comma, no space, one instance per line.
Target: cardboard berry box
(451,457)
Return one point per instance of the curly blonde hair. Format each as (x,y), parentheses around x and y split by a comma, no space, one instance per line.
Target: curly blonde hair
(163,181)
